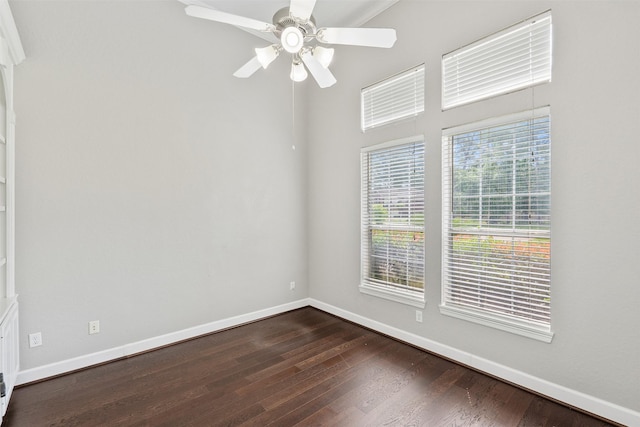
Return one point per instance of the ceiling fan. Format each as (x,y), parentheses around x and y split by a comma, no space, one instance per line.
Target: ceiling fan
(295,29)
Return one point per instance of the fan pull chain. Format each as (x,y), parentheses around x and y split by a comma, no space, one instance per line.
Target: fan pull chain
(293,114)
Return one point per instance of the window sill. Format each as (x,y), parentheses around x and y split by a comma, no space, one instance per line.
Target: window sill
(520,328)
(404,297)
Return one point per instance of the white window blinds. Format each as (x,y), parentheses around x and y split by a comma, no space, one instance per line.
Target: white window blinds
(512,59)
(393,99)
(496,219)
(393,216)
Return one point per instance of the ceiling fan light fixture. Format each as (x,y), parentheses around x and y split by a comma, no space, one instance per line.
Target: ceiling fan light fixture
(266,55)
(295,31)
(292,39)
(298,72)
(323,55)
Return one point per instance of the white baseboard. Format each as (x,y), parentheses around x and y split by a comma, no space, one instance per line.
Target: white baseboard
(594,405)
(53,369)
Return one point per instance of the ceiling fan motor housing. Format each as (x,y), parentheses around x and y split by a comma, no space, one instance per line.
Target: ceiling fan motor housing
(282,20)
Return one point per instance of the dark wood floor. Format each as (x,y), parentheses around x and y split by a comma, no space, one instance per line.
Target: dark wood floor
(304,367)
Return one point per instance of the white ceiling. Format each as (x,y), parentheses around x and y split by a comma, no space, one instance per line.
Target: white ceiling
(328,13)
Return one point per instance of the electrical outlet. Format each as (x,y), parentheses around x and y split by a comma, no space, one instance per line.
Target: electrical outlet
(94,327)
(292,286)
(35,340)
(418,316)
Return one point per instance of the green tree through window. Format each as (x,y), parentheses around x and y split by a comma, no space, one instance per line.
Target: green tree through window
(497,216)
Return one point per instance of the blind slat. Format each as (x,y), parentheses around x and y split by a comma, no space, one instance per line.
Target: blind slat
(515,58)
(393,215)
(396,98)
(496,211)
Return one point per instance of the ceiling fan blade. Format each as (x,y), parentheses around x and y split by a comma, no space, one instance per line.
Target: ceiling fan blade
(372,37)
(302,8)
(228,18)
(323,76)
(248,69)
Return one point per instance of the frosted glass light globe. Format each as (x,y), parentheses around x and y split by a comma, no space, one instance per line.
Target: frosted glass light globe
(292,39)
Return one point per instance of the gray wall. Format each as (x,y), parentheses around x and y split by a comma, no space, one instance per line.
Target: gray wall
(155,191)
(595,204)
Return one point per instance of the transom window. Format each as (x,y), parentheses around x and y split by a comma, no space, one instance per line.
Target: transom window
(395,98)
(511,59)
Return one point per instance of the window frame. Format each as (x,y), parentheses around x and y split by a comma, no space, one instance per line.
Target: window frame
(369,285)
(504,69)
(396,98)
(529,329)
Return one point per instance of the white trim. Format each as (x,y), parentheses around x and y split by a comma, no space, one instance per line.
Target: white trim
(415,299)
(10,33)
(495,321)
(6,305)
(394,143)
(80,362)
(594,405)
(497,121)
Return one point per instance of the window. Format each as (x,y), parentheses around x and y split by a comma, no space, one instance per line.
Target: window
(512,59)
(496,223)
(393,256)
(393,99)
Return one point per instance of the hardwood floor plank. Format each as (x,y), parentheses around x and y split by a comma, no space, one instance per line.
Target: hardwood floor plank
(289,409)
(415,408)
(514,408)
(304,368)
(285,389)
(334,367)
(378,396)
(394,380)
